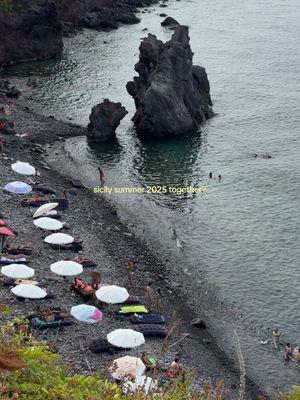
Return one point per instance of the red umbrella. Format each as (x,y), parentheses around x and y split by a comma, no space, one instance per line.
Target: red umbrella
(6,232)
(2,223)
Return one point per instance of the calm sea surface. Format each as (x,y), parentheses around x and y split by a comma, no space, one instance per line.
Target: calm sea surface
(240,237)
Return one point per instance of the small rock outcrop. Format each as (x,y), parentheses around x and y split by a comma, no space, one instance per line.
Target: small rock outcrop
(29,31)
(7,127)
(263,155)
(104,120)
(172,96)
(170,22)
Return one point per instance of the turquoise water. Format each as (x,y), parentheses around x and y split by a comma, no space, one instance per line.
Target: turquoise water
(241,245)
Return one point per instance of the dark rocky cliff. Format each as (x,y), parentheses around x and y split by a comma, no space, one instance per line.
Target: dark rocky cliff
(29,30)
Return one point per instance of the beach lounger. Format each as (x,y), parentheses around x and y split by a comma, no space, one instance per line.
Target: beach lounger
(85,262)
(34,201)
(99,346)
(152,330)
(147,319)
(11,259)
(42,188)
(74,246)
(38,323)
(14,248)
(77,184)
(131,310)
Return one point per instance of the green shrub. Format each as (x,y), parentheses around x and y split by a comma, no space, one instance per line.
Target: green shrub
(6,6)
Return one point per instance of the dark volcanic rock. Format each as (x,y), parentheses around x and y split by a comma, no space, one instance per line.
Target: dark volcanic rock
(29,31)
(6,127)
(105,118)
(170,22)
(171,95)
(100,14)
(199,323)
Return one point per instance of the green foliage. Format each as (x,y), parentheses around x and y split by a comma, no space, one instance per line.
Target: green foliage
(32,371)
(6,6)
(4,309)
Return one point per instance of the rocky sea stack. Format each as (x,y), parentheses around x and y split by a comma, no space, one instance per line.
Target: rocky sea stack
(172,96)
(104,120)
(29,31)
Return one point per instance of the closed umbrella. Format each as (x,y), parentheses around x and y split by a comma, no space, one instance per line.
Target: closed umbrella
(29,292)
(17,271)
(48,224)
(44,209)
(18,187)
(23,168)
(112,294)
(66,268)
(59,238)
(86,313)
(126,338)
(127,366)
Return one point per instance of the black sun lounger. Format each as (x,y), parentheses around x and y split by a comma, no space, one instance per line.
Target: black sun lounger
(151,330)
(39,323)
(147,319)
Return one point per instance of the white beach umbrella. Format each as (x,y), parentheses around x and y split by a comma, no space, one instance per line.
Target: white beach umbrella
(44,209)
(59,238)
(125,338)
(29,292)
(23,168)
(17,271)
(66,268)
(48,224)
(86,313)
(127,366)
(18,187)
(112,294)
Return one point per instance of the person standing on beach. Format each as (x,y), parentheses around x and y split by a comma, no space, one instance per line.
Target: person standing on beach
(130,266)
(158,302)
(149,296)
(96,279)
(210,175)
(1,147)
(220,177)
(101,175)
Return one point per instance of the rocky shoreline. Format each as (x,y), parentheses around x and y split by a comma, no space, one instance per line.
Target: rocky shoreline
(111,244)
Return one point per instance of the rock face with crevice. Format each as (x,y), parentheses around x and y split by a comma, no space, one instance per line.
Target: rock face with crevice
(172,96)
(104,120)
(29,30)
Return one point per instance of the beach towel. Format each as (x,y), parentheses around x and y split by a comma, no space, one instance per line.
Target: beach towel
(130,310)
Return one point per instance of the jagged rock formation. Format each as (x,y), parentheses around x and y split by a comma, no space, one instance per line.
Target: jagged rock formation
(29,31)
(170,22)
(104,120)
(172,96)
